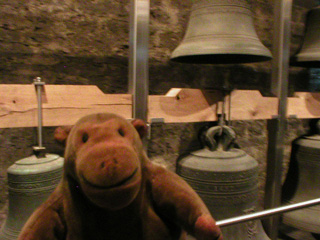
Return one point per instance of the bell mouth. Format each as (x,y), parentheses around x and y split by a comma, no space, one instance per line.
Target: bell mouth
(307,63)
(220,58)
(212,51)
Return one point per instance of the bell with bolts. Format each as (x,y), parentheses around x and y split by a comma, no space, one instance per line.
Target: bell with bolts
(226,178)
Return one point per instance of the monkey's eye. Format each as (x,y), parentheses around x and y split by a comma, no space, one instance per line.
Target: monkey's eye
(85,137)
(121,132)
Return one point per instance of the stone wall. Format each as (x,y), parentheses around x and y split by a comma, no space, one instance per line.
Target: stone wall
(86,42)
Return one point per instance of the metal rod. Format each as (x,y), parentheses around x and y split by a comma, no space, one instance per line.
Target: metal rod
(138,59)
(38,83)
(229,110)
(267,213)
(277,126)
(39,150)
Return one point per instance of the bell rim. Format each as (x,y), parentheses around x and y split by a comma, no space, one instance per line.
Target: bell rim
(221,58)
(306,61)
(190,52)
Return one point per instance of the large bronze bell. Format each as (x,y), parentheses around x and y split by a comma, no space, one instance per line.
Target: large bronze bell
(303,183)
(309,54)
(226,178)
(221,31)
(30,182)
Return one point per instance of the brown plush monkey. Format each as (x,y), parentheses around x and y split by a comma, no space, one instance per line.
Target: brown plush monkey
(110,190)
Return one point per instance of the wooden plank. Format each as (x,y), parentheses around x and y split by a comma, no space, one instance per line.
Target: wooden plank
(15,99)
(65,104)
(304,105)
(62,104)
(184,105)
(193,105)
(249,104)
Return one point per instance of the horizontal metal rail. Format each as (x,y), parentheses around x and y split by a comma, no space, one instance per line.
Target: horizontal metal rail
(267,213)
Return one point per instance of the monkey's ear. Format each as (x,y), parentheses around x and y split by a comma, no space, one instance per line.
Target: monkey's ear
(61,134)
(140,126)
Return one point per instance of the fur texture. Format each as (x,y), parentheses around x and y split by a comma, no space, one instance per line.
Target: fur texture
(110,190)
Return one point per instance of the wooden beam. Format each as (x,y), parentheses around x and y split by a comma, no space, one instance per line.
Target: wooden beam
(248,104)
(65,104)
(184,105)
(62,104)
(304,105)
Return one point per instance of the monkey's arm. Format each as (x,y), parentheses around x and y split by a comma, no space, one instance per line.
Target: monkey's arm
(175,199)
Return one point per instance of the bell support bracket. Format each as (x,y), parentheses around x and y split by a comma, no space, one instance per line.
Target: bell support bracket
(219,137)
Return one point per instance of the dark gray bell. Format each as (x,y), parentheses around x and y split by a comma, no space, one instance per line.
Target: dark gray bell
(303,183)
(31,180)
(226,179)
(221,31)
(309,54)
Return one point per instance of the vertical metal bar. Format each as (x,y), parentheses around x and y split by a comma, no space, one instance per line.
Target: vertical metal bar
(138,59)
(39,150)
(277,126)
(39,114)
(39,84)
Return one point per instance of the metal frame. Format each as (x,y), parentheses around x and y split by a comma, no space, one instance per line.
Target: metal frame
(39,150)
(138,59)
(277,126)
(139,87)
(38,84)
